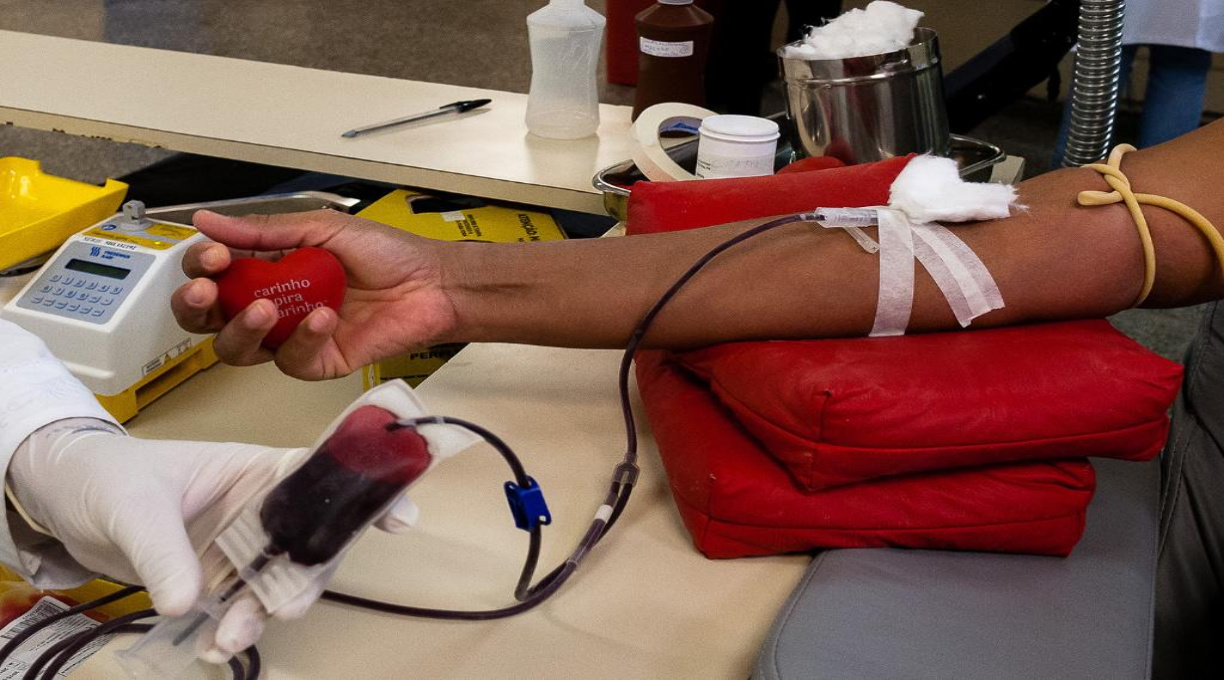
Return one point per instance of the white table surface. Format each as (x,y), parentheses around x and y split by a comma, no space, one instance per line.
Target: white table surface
(292,116)
(645,604)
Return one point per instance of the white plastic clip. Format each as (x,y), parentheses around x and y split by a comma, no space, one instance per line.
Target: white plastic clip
(852,220)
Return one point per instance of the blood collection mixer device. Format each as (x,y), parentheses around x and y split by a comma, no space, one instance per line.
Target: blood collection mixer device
(102,306)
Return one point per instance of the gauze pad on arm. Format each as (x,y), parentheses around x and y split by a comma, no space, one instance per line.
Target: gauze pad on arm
(928,190)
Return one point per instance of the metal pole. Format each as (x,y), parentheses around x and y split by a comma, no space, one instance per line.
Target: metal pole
(1094,85)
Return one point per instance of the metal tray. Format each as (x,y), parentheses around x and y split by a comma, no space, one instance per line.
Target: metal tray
(272,204)
(973,156)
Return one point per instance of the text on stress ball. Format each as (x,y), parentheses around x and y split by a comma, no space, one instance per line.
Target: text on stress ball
(298,283)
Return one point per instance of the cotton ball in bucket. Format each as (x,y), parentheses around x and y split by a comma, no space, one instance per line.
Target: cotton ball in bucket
(879,28)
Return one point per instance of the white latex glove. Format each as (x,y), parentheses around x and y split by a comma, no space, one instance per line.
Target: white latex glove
(147,511)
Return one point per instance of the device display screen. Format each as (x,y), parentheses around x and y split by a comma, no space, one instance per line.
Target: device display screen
(99,269)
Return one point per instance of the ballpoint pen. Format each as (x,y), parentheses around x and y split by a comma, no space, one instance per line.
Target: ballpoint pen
(455,107)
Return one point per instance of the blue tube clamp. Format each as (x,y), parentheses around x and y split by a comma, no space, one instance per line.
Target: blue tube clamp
(527,505)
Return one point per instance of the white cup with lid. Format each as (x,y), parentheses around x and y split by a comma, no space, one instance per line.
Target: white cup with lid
(732,145)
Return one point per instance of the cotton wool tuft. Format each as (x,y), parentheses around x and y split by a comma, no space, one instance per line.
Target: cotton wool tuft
(879,28)
(930,189)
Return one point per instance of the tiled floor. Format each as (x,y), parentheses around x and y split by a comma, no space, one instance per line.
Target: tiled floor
(477,43)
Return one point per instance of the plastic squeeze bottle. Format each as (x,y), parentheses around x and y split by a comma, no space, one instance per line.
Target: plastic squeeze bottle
(673,43)
(563,102)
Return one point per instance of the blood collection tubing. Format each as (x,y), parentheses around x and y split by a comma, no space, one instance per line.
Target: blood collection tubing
(624,476)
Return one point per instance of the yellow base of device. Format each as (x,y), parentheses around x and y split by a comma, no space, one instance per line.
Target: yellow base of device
(125,405)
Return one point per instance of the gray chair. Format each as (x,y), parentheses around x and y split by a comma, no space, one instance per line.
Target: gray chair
(1190,579)
(1140,596)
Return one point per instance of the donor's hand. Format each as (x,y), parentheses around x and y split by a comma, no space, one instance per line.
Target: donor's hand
(396,299)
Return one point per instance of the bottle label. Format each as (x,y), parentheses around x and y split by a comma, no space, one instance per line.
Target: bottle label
(658,48)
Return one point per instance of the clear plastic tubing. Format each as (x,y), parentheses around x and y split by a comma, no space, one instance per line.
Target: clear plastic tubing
(563,102)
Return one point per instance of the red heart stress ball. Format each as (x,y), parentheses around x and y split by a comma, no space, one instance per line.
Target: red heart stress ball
(298,283)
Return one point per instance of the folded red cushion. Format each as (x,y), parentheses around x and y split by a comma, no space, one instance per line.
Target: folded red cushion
(886,410)
(672,206)
(736,501)
(842,411)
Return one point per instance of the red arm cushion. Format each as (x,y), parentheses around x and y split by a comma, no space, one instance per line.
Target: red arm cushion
(720,417)
(672,206)
(842,411)
(736,501)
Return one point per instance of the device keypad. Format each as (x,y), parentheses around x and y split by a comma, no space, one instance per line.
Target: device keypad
(77,298)
(85,296)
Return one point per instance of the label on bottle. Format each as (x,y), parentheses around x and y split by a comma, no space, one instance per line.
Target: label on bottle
(710,166)
(659,48)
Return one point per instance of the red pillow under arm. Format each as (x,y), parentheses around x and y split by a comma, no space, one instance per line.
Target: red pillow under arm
(672,206)
(842,411)
(736,501)
(906,414)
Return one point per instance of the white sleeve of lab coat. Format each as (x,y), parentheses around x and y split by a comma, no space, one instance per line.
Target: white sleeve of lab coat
(35,390)
(1181,23)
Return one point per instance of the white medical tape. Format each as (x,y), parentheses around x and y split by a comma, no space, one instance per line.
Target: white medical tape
(865,242)
(958,272)
(944,279)
(648,152)
(895,300)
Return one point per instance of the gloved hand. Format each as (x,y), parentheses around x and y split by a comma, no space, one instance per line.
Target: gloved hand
(147,511)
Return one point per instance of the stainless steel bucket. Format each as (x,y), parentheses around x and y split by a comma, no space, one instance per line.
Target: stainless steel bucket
(865,109)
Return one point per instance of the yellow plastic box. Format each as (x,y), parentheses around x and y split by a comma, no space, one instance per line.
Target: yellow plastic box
(466,220)
(38,212)
(17,597)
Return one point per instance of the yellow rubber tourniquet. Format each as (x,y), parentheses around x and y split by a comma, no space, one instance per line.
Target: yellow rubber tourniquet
(16,505)
(1114,177)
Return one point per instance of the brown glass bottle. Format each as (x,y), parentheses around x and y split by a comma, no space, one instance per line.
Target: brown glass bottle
(673,43)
